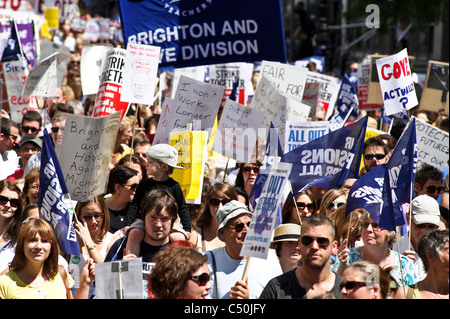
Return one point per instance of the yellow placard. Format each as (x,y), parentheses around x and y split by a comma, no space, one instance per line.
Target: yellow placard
(52,17)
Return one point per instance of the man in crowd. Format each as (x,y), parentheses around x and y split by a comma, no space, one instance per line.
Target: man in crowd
(374,153)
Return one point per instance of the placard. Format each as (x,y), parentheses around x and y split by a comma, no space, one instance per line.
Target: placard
(435,91)
(93,58)
(300,133)
(432,145)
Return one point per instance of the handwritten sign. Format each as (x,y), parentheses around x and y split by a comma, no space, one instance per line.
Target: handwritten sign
(237,131)
(288,79)
(328,90)
(300,133)
(108,97)
(259,235)
(368,90)
(86,153)
(432,145)
(396,82)
(139,76)
(191,147)
(93,58)
(277,107)
(16,73)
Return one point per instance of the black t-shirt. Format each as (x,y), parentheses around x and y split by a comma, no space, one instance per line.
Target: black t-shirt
(121,218)
(147,251)
(286,286)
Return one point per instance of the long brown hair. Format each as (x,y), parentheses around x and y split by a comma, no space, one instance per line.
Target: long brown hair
(28,231)
(99,200)
(16,221)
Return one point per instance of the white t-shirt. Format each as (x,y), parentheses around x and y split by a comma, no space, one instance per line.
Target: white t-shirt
(229,271)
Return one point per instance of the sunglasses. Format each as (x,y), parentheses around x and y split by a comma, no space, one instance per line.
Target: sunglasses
(27,129)
(27,149)
(374,226)
(350,285)
(432,189)
(321,241)
(133,187)
(240,227)
(301,206)
(202,279)
(248,169)
(216,201)
(95,216)
(13,202)
(369,157)
(55,129)
(335,205)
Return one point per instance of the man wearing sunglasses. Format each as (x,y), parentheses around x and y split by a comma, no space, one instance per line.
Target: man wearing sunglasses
(225,264)
(314,277)
(374,153)
(9,138)
(31,123)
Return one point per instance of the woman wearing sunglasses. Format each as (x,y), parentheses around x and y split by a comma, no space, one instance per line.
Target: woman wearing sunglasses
(179,273)
(91,226)
(303,207)
(204,237)
(332,200)
(10,217)
(246,175)
(122,184)
(377,249)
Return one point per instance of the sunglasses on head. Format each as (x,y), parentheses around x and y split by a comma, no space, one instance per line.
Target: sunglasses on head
(323,242)
(335,205)
(369,157)
(349,285)
(432,189)
(301,205)
(202,279)
(13,202)
(27,129)
(216,201)
(248,169)
(238,227)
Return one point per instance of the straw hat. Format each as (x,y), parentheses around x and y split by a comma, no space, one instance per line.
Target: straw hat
(285,232)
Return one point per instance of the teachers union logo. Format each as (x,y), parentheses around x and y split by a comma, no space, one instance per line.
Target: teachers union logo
(186,8)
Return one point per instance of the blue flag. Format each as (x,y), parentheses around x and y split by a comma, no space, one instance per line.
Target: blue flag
(13,50)
(273,150)
(235,91)
(201,32)
(366,193)
(348,98)
(399,177)
(52,206)
(327,155)
(337,179)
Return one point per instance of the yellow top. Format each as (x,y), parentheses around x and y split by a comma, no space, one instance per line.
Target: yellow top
(11,287)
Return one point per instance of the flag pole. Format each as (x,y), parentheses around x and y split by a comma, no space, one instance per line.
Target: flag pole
(77,220)
(349,223)
(400,265)
(134,130)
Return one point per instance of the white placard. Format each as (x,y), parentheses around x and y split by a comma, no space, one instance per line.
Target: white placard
(93,58)
(432,145)
(300,133)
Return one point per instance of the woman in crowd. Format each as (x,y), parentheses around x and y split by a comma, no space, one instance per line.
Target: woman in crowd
(31,187)
(246,175)
(332,200)
(298,208)
(123,140)
(179,273)
(122,184)
(204,237)
(285,243)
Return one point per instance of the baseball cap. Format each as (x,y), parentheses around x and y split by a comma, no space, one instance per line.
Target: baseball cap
(30,139)
(425,210)
(164,153)
(229,211)
(285,232)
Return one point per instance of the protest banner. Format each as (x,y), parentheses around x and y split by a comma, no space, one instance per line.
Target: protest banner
(195,102)
(42,80)
(226,75)
(86,153)
(198,73)
(12,49)
(396,82)
(39,6)
(300,133)
(347,98)
(328,91)
(191,147)
(289,80)
(25,35)
(327,155)
(108,99)
(93,58)
(237,131)
(369,92)
(434,95)
(432,144)
(259,234)
(206,32)
(51,14)
(51,203)
(16,73)
(310,97)
(121,279)
(48,48)
(140,73)
(277,107)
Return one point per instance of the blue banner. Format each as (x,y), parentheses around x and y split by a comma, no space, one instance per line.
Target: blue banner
(348,98)
(13,49)
(201,32)
(327,155)
(52,206)
(399,176)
